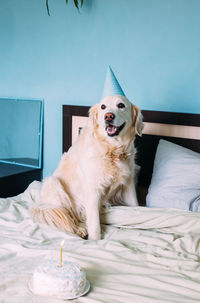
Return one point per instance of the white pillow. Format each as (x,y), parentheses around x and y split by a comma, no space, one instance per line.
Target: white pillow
(176,178)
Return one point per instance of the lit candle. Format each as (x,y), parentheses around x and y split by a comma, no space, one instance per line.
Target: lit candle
(61,246)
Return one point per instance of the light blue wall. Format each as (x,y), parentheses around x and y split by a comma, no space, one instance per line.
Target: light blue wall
(153,47)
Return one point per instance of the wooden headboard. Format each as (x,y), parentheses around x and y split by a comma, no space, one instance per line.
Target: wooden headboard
(179,128)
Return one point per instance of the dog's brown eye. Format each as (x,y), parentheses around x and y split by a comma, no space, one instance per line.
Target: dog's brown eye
(120,105)
(103,106)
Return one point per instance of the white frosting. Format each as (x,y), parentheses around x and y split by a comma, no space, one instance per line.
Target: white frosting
(67,281)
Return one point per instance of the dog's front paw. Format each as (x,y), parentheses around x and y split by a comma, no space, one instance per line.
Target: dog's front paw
(94,235)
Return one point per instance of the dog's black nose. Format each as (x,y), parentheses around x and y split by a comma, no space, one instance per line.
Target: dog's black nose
(109,117)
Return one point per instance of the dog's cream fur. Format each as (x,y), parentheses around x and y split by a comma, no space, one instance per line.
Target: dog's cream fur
(97,170)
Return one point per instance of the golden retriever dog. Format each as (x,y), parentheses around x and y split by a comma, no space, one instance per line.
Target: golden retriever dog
(97,170)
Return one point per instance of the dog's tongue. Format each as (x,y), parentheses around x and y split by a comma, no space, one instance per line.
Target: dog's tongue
(111,130)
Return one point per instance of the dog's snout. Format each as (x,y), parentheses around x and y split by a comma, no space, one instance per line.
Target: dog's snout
(109,117)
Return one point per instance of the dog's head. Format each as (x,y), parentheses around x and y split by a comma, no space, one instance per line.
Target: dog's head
(116,117)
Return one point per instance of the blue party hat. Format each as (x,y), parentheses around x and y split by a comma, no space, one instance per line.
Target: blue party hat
(111,85)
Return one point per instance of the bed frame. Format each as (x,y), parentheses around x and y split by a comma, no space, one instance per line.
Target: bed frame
(179,128)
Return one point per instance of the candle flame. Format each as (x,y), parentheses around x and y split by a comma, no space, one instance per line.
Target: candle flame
(62,243)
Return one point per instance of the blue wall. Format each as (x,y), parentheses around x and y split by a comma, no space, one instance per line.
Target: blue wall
(153,47)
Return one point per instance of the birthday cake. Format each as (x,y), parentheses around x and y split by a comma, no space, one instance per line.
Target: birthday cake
(67,281)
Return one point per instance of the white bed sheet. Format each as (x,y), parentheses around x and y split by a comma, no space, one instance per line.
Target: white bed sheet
(146,254)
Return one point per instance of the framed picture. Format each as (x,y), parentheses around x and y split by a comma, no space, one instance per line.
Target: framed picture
(21,128)
(74,119)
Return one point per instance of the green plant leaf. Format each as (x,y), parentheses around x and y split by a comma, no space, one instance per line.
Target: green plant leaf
(76,4)
(47,6)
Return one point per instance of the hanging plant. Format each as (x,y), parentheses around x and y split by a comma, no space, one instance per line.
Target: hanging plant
(76,3)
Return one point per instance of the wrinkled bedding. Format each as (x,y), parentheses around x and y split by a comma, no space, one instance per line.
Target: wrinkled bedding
(146,254)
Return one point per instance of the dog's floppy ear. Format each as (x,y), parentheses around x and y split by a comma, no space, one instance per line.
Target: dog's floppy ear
(93,115)
(137,120)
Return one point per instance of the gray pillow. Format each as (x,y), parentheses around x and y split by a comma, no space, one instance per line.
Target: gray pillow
(176,178)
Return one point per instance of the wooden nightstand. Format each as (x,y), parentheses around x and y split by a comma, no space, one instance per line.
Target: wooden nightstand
(14,179)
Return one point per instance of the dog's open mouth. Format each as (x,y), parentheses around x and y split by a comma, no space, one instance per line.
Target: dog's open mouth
(113,130)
